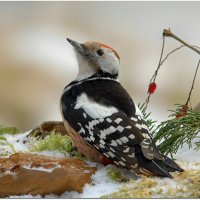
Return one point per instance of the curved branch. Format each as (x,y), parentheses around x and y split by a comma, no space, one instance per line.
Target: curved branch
(168,33)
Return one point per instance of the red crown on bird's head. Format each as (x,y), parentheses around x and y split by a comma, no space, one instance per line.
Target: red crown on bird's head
(108,47)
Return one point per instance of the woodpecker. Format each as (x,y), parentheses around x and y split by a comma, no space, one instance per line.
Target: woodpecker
(103,121)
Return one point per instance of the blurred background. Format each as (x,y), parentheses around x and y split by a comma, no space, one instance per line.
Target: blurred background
(36,62)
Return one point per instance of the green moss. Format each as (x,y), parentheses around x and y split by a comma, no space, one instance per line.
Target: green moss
(140,189)
(115,174)
(8,130)
(193,183)
(6,147)
(2,138)
(54,141)
(187,185)
(75,154)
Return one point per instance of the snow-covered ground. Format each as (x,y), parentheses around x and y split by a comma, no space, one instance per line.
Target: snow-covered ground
(101,183)
(188,155)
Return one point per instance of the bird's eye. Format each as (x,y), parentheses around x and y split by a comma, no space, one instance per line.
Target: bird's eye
(100,52)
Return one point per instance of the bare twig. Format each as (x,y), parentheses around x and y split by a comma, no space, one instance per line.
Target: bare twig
(196,46)
(159,63)
(160,60)
(174,50)
(168,33)
(192,87)
(155,74)
(171,52)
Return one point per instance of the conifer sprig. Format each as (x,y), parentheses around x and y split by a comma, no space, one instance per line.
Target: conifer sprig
(175,132)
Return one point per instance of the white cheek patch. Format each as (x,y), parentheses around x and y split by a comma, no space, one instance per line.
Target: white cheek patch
(93,109)
(109,62)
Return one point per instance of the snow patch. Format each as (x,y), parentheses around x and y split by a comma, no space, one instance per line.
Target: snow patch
(101,183)
(42,168)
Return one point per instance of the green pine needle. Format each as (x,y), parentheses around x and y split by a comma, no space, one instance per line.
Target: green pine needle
(146,116)
(175,132)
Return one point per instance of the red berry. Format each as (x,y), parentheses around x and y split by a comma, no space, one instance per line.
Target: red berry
(152,88)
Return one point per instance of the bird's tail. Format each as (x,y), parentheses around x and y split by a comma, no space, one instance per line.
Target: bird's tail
(157,166)
(171,165)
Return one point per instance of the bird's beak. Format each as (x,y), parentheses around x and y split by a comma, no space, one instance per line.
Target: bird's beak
(77,46)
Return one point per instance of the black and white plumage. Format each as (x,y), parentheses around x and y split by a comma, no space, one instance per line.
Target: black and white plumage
(101,111)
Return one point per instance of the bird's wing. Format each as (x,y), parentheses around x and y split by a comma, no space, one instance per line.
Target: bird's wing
(112,94)
(113,134)
(95,111)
